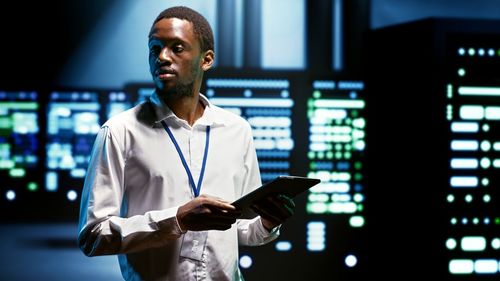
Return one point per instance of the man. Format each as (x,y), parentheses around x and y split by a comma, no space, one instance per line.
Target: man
(162,174)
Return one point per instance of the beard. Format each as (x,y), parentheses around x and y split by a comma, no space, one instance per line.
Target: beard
(180,91)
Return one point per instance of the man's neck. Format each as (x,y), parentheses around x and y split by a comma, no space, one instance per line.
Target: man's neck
(187,108)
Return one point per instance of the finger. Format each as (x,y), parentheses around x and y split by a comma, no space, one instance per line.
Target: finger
(222,212)
(218,203)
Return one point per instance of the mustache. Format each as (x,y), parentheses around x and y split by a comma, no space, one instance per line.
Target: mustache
(165,70)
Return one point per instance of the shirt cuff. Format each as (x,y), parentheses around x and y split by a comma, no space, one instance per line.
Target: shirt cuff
(264,229)
(166,220)
(178,225)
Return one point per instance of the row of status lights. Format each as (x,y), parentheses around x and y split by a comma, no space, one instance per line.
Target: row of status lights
(479,51)
(10,195)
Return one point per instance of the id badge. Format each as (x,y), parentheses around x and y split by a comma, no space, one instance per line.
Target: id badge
(193,244)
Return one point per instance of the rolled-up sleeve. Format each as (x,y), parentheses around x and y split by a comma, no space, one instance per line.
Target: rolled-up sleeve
(103,229)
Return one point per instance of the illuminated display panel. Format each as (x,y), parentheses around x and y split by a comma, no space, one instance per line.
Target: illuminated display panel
(73,120)
(267,106)
(431,131)
(117,101)
(335,154)
(279,108)
(19,145)
(336,149)
(473,114)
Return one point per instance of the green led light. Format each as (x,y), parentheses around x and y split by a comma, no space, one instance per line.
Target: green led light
(498,52)
(32,186)
(20,105)
(17,173)
(347,155)
(329,155)
(310,155)
(497,220)
(338,155)
(6,123)
(7,163)
(310,103)
(358,165)
(360,207)
(357,221)
(317,94)
(358,177)
(354,113)
(321,155)
(316,208)
(312,166)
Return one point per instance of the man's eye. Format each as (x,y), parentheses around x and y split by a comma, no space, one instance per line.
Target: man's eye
(178,49)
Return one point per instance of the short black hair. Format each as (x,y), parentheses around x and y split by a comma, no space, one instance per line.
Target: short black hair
(201,26)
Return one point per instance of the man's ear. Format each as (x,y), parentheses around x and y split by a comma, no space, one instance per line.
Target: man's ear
(208,60)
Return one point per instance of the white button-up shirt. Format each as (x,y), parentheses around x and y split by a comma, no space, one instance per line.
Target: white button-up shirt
(136,182)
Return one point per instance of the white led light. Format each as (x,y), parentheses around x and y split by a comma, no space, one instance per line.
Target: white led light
(283,246)
(462,266)
(245,261)
(473,243)
(72,195)
(10,195)
(451,243)
(495,243)
(351,261)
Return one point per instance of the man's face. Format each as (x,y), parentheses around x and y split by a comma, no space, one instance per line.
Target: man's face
(175,58)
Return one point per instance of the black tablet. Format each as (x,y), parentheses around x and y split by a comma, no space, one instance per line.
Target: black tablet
(290,186)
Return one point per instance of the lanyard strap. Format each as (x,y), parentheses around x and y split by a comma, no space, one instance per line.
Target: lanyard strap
(196,188)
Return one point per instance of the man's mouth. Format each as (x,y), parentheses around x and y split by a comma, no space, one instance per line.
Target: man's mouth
(165,73)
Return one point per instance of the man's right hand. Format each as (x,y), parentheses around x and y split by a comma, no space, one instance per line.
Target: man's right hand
(206,213)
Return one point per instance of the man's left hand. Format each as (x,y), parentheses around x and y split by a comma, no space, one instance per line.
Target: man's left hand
(274,210)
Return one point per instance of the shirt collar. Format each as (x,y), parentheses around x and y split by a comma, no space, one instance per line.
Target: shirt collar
(163,112)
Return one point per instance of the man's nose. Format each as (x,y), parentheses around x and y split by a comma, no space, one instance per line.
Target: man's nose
(165,56)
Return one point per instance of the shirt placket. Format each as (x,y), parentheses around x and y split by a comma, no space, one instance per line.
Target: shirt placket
(196,146)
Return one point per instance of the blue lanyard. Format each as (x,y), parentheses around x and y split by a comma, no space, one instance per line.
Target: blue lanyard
(196,188)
